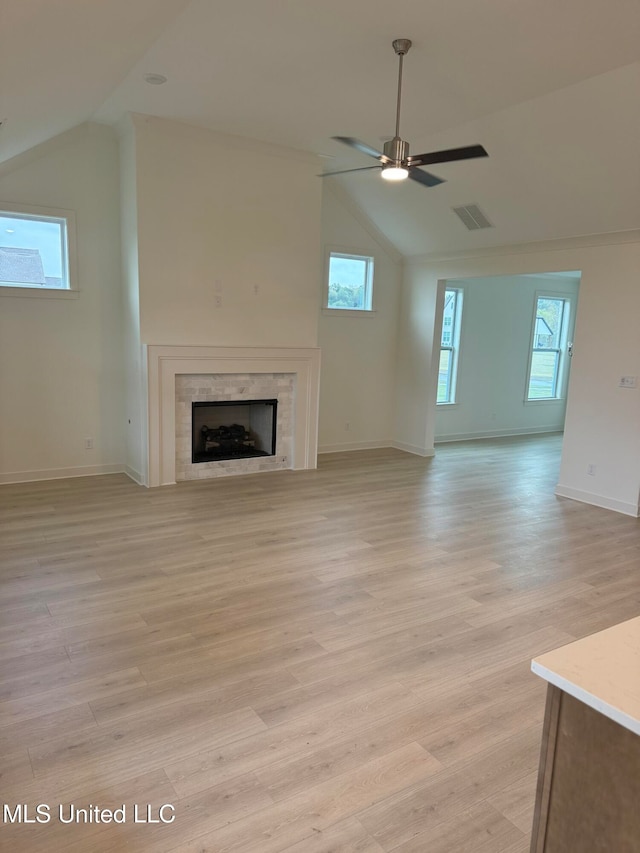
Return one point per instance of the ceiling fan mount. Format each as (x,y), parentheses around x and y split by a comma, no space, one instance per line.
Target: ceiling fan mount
(401,46)
(395,162)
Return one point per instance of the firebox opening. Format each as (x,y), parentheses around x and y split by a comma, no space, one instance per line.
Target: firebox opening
(233,429)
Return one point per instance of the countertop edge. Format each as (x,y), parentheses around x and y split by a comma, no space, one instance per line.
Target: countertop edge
(589,699)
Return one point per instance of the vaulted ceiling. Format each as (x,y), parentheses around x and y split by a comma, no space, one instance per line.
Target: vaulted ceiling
(551,89)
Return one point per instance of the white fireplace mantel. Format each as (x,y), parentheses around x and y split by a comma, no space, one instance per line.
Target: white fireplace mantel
(164,363)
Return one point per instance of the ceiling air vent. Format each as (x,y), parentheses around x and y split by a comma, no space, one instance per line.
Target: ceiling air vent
(472,217)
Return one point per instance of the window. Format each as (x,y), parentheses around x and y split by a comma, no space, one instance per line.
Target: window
(549,340)
(449,346)
(35,250)
(349,282)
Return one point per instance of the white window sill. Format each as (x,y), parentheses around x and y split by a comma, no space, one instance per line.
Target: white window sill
(40,293)
(544,401)
(347,312)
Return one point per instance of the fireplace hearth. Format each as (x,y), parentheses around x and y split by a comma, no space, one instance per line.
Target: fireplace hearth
(233,429)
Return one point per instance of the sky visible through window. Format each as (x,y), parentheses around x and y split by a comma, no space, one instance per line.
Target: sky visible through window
(348,285)
(549,331)
(350,272)
(19,233)
(448,357)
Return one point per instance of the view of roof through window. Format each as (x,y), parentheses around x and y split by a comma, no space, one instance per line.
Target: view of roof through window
(33,251)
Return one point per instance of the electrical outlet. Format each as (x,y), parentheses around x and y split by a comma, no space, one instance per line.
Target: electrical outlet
(256,289)
(627,381)
(347,426)
(88,444)
(591,469)
(218,301)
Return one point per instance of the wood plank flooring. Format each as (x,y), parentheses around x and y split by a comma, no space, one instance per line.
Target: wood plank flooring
(330,661)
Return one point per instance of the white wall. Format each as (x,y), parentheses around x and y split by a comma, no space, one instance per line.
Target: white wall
(227,219)
(497,314)
(419,328)
(602,420)
(358,353)
(60,359)
(135,408)
(220,240)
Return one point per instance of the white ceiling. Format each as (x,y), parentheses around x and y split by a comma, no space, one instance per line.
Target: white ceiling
(551,89)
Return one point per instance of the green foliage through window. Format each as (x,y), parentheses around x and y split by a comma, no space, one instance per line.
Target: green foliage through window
(350,282)
(549,339)
(449,344)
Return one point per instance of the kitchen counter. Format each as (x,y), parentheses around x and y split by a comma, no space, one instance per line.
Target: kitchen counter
(589,777)
(602,670)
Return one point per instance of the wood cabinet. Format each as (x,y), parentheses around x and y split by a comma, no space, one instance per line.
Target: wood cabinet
(588,797)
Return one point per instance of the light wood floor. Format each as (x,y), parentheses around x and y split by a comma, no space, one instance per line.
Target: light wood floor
(333,660)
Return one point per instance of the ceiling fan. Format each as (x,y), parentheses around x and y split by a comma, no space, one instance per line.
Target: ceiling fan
(395,161)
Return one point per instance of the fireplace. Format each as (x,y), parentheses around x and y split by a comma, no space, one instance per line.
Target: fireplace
(233,423)
(233,429)
(177,376)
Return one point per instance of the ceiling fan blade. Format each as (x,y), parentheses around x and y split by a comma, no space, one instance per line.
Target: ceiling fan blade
(345,171)
(362,146)
(425,178)
(448,156)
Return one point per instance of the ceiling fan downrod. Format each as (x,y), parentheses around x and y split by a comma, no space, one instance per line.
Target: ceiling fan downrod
(396,149)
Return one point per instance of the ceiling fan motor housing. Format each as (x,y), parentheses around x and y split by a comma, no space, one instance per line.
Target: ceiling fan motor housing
(396,149)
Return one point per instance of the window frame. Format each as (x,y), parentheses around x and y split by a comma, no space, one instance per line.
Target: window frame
(562,361)
(355,254)
(38,212)
(455,330)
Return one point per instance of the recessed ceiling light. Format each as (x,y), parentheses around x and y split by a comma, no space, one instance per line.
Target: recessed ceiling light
(155,79)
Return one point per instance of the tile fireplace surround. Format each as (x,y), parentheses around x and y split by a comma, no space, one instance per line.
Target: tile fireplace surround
(166,363)
(241,387)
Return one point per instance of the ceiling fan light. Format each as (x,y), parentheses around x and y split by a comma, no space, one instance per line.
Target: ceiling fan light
(395,173)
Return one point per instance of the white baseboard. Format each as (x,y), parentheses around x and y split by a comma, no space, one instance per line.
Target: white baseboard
(494,433)
(353,445)
(597,500)
(60,473)
(136,476)
(412,448)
